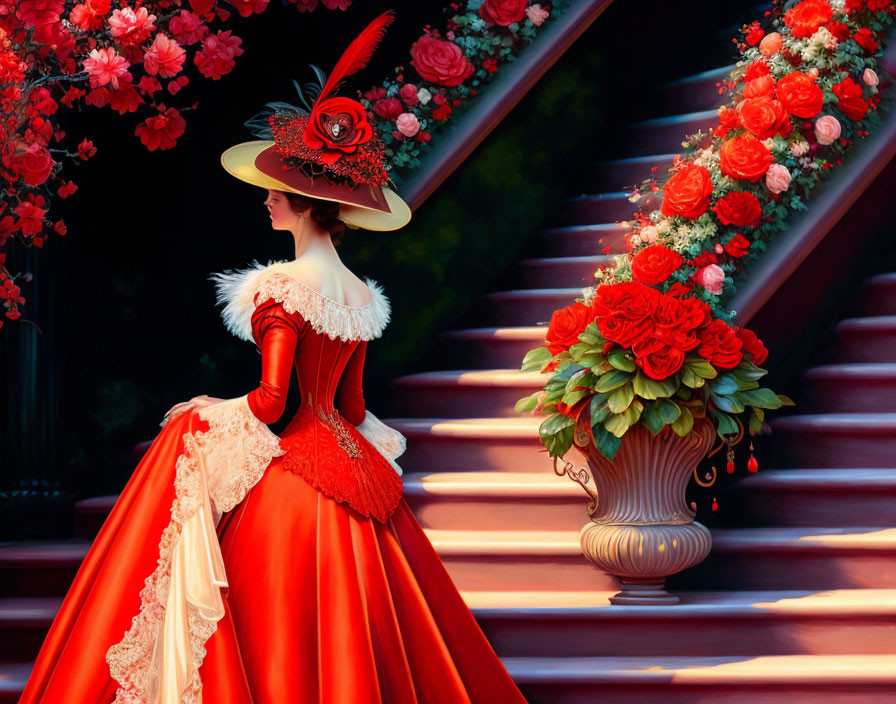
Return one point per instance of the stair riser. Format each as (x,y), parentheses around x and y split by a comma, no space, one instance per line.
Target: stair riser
(878,298)
(508,311)
(850,395)
(794,507)
(432,454)
(584,636)
(624,177)
(459,401)
(526,573)
(497,513)
(665,138)
(796,569)
(661,691)
(582,242)
(829,450)
(698,94)
(866,346)
(34,582)
(491,353)
(22,643)
(592,210)
(547,273)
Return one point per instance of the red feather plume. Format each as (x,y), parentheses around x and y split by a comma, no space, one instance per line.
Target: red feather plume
(357,54)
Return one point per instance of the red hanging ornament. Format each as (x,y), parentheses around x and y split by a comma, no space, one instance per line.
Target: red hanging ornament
(715,504)
(730,457)
(752,464)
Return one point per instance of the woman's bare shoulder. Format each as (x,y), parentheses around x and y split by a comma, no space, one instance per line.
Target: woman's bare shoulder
(335,282)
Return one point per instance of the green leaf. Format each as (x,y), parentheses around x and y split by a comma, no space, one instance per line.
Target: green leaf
(535,360)
(702,369)
(669,411)
(527,404)
(591,335)
(611,380)
(724,385)
(571,398)
(596,402)
(689,378)
(744,385)
(726,424)
(651,418)
(749,371)
(683,424)
(579,350)
(762,398)
(755,422)
(619,360)
(785,400)
(581,379)
(559,443)
(729,404)
(617,423)
(605,442)
(621,398)
(650,389)
(554,424)
(566,370)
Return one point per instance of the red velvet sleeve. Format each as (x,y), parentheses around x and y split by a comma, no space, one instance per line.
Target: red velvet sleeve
(277,334)
(351,394)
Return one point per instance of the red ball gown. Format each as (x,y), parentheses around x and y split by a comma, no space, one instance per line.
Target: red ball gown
(242,568)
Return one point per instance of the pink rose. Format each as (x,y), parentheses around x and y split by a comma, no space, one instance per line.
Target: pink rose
(870,78)
(771,44)
(777,178)
(799,148)
(711,277)
(827,130)
(408,94)
(649,234)
(536,14)
(408,124)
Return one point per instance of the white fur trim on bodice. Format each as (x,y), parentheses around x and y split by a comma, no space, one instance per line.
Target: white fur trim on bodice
(237,291)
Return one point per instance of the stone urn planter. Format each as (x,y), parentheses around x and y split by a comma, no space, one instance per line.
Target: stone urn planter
(641,529)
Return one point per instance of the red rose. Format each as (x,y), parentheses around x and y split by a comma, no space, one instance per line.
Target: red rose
(752,345)
(623,311)
(387,108)
(756,70)
(677,320)
(658,361)
(737,246)
(754,36)
(678,289)
(687,192)
(720,345)
(336,126)
(759,87)
(441,113)
(840,30)
(799,95)
(865,39)
(408,94)
(851,104)
(744,157)
(704,259)
(440,61)
(566,326)
(161,131)
(738,208)
(805,17)
(503,12)
(764,117)
(654,264)
(35,165)
(729,118)
(375,94)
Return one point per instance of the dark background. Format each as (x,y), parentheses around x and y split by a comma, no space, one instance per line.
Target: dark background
(124,305)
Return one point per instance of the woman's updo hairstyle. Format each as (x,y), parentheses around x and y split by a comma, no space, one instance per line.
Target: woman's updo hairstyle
(324,213)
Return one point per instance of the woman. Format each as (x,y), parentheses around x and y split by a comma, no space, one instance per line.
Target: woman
(245,568)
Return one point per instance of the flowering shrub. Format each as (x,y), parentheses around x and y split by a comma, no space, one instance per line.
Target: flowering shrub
(448,69)
(652,342)
(100,53)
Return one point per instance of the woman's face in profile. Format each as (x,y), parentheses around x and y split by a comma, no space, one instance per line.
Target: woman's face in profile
(283,217)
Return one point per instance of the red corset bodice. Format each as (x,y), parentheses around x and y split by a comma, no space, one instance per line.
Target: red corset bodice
(322,442)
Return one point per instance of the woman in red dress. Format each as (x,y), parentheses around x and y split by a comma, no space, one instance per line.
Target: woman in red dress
(238,567)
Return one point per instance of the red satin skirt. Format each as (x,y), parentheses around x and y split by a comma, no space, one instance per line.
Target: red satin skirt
(324,606)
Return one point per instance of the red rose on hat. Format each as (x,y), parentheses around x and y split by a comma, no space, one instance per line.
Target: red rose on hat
(687,192)
(720,345)
(799,95)
(336,126)
(439,61)
(738,208)
(744,157)
(806,17)
(503,12)
(654,264)
(852,104)
(764,117)
(566,326)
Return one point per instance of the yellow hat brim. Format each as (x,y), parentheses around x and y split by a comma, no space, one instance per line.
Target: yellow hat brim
(239,161)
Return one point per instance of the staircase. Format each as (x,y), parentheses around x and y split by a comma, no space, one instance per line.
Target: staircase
(797,601)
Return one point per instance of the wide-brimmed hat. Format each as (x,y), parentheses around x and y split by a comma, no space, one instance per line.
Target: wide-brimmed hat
(330,151)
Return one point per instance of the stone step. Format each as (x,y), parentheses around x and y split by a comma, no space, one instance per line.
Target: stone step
(867,339)
(491,348)
(625,174)
(757,623)
(13,677)
(597,209)
(490,392)
(836,440)
(24,623)
(465,444)
(38,569)
(878,298)
(496,501)
(795,679)
(814,497)
(852,388)
(582,240)
(560,271)
(527,306)
(696,92)
(662,135)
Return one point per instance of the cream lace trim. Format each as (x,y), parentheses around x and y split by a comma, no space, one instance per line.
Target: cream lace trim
(158,659)
(387,441)
(237,292)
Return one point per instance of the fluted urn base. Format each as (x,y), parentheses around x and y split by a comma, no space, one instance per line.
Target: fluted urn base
(643,530)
